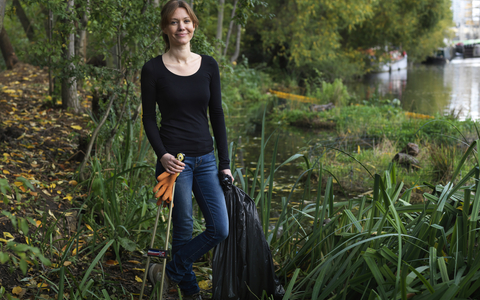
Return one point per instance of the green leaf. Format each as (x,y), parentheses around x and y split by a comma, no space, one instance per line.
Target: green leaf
(127,244)
(4,257)
(19,247)
(23,226)
(44,260)
(23,266)
(26,182)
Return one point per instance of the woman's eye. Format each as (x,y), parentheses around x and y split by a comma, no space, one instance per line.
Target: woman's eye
(187,21)
(173,22)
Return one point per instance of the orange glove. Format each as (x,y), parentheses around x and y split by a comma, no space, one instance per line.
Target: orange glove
(164,188)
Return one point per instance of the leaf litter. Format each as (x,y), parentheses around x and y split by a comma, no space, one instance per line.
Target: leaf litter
(39,154)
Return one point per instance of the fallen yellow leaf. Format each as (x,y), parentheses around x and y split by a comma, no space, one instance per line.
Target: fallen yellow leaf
(73,182)
(7,235)
(67,263)
(111,262)
(68,197)
(134,262)
(138,279)
(17,290)
(74,252)
(76,127)
(205,284)
(42,285)
(6,172)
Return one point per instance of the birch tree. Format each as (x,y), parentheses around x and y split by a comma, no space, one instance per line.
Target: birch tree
(69,82)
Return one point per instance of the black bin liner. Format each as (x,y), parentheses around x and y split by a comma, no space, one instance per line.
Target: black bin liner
(242,264)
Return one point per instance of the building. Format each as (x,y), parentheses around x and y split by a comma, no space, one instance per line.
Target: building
(466,15)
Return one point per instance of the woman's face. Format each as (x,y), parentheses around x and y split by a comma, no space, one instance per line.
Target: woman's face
(180,29)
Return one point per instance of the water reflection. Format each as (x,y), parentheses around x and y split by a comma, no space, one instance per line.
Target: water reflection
(450,89)
(464,76)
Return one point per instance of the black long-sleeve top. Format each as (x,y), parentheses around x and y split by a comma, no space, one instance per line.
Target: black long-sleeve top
(183,102)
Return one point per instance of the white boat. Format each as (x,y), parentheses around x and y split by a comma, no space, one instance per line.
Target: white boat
(395,64)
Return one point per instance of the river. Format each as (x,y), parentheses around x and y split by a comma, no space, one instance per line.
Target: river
(452,88)
(449,89)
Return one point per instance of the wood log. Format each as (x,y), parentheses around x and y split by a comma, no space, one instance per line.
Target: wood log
(411,149)
(323,107)
(406,160)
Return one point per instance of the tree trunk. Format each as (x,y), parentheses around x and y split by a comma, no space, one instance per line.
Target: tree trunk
(22,16)
(3,3)
(230,27)
(156,3)
(237,44)
(7,50)
(82,41)
(69,84)
(49,32)
(221,8)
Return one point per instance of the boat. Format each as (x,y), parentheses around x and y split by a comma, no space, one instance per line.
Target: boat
(440,57)
(397,61)
(387,61)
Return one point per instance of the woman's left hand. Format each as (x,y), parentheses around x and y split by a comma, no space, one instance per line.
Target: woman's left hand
(228,172)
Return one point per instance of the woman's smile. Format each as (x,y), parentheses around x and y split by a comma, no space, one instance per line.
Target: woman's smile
(181,28)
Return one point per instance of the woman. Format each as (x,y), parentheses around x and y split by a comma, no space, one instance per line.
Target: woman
(185,86)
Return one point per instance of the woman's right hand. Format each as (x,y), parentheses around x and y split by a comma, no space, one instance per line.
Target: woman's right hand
(171,164)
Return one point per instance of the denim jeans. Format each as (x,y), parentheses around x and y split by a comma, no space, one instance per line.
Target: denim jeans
(200,176)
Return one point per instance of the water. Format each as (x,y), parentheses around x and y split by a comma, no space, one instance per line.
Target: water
(449,89)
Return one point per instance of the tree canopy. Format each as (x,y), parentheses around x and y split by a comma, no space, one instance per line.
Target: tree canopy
(302,36)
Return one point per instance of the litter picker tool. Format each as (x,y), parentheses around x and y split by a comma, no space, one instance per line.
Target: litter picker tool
(164,191)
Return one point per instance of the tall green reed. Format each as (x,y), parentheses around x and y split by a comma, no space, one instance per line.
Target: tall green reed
(379,246)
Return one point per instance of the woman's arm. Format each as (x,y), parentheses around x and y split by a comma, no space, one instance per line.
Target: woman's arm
(149,105)
(217,118)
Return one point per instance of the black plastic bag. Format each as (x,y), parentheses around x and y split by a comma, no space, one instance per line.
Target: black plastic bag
(242,264)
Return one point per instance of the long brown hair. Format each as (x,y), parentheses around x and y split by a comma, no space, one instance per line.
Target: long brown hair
(167,12)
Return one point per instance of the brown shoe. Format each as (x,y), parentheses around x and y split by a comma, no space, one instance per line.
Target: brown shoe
(155,276)
(196,296)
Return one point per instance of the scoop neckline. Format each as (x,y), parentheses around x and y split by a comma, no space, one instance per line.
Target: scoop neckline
(201,64)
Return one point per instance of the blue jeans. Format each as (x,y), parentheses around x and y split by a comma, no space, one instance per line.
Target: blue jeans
(200,176)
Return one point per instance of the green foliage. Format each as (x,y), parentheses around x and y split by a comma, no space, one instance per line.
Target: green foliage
(335,92)
(332,37)
(22,253)
(244,83)
(378,244)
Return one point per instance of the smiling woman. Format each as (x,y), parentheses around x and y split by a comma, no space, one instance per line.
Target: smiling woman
(171,15)
(186,88)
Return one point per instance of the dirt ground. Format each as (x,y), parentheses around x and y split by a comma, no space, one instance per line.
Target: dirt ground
(40,144)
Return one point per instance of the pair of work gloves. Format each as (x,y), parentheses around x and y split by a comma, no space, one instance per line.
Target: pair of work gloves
(164,188)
